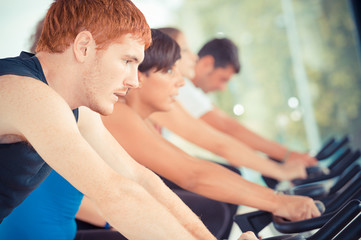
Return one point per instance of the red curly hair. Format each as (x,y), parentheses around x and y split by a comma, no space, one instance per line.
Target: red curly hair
(107,20)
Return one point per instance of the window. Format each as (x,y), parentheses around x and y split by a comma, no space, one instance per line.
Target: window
(300,78)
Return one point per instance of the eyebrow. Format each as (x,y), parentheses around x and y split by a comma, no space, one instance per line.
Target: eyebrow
(134,58)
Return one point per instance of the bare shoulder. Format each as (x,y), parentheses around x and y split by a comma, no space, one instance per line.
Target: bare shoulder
(88,116)
(26,104)
(89,121)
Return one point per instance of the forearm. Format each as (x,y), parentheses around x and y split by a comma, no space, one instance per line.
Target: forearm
(171,202)
(130,206)
(256,142)
(89,213)
(159,191)
(240,155)
(176,206)
(221,184)
(232,188)
(232,127)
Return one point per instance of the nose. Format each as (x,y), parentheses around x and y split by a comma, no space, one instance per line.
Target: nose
(179,79)
(195,57)
(222,86)
(132,80)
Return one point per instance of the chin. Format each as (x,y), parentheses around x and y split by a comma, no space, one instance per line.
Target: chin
(108,111)
(167,109)
(105,111)
(190,75)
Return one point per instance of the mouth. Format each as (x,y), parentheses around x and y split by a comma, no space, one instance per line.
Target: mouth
(174,96)
(120,95)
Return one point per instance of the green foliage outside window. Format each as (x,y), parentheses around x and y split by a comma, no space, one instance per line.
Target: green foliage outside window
(330,57)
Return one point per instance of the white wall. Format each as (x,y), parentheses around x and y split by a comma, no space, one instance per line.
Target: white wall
(18,19)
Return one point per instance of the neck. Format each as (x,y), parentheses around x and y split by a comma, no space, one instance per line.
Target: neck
(135,103)
(193,80)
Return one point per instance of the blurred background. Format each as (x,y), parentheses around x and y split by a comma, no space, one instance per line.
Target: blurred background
(300,79)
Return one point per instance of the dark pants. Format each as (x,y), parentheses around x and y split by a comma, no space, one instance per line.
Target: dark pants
(231,208)
(97,234)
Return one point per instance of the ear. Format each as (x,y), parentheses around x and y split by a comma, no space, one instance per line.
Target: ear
(82,44)
(207,63)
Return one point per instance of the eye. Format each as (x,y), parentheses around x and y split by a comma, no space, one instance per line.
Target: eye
(184,50)
(170,71)
(126,62)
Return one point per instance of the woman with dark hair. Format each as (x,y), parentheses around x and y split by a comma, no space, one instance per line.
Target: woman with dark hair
(159,80)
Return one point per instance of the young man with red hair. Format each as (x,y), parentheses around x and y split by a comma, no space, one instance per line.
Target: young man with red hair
(87,57)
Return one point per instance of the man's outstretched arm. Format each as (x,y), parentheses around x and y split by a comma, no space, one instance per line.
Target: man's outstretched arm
(223,122)
(47,123)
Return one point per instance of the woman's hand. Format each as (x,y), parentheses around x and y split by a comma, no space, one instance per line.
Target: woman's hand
(296,208)
(292,170)
(304,158)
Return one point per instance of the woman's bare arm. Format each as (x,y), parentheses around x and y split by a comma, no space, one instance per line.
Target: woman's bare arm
(200,176)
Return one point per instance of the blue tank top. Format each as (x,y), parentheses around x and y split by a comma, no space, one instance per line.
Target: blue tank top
(21,168)
(47,213)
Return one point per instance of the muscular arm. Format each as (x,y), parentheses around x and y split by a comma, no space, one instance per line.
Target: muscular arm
(196,175)
(93,130)
(49,126)
(234,151)
(224,123)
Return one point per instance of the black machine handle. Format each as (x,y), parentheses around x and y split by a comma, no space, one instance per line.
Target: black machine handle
(313,190)
(345,225)
(326,152)
(339,166)
(253,221)
(286,237)
(336,171)
(352,191)
(329,148)
(285,226)
(340,158)
(339,221)
(317,190)
(316,171)
(351,231)
(324,148)
(345,178)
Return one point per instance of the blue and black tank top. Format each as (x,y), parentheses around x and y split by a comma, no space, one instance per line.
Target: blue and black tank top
(21,168)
